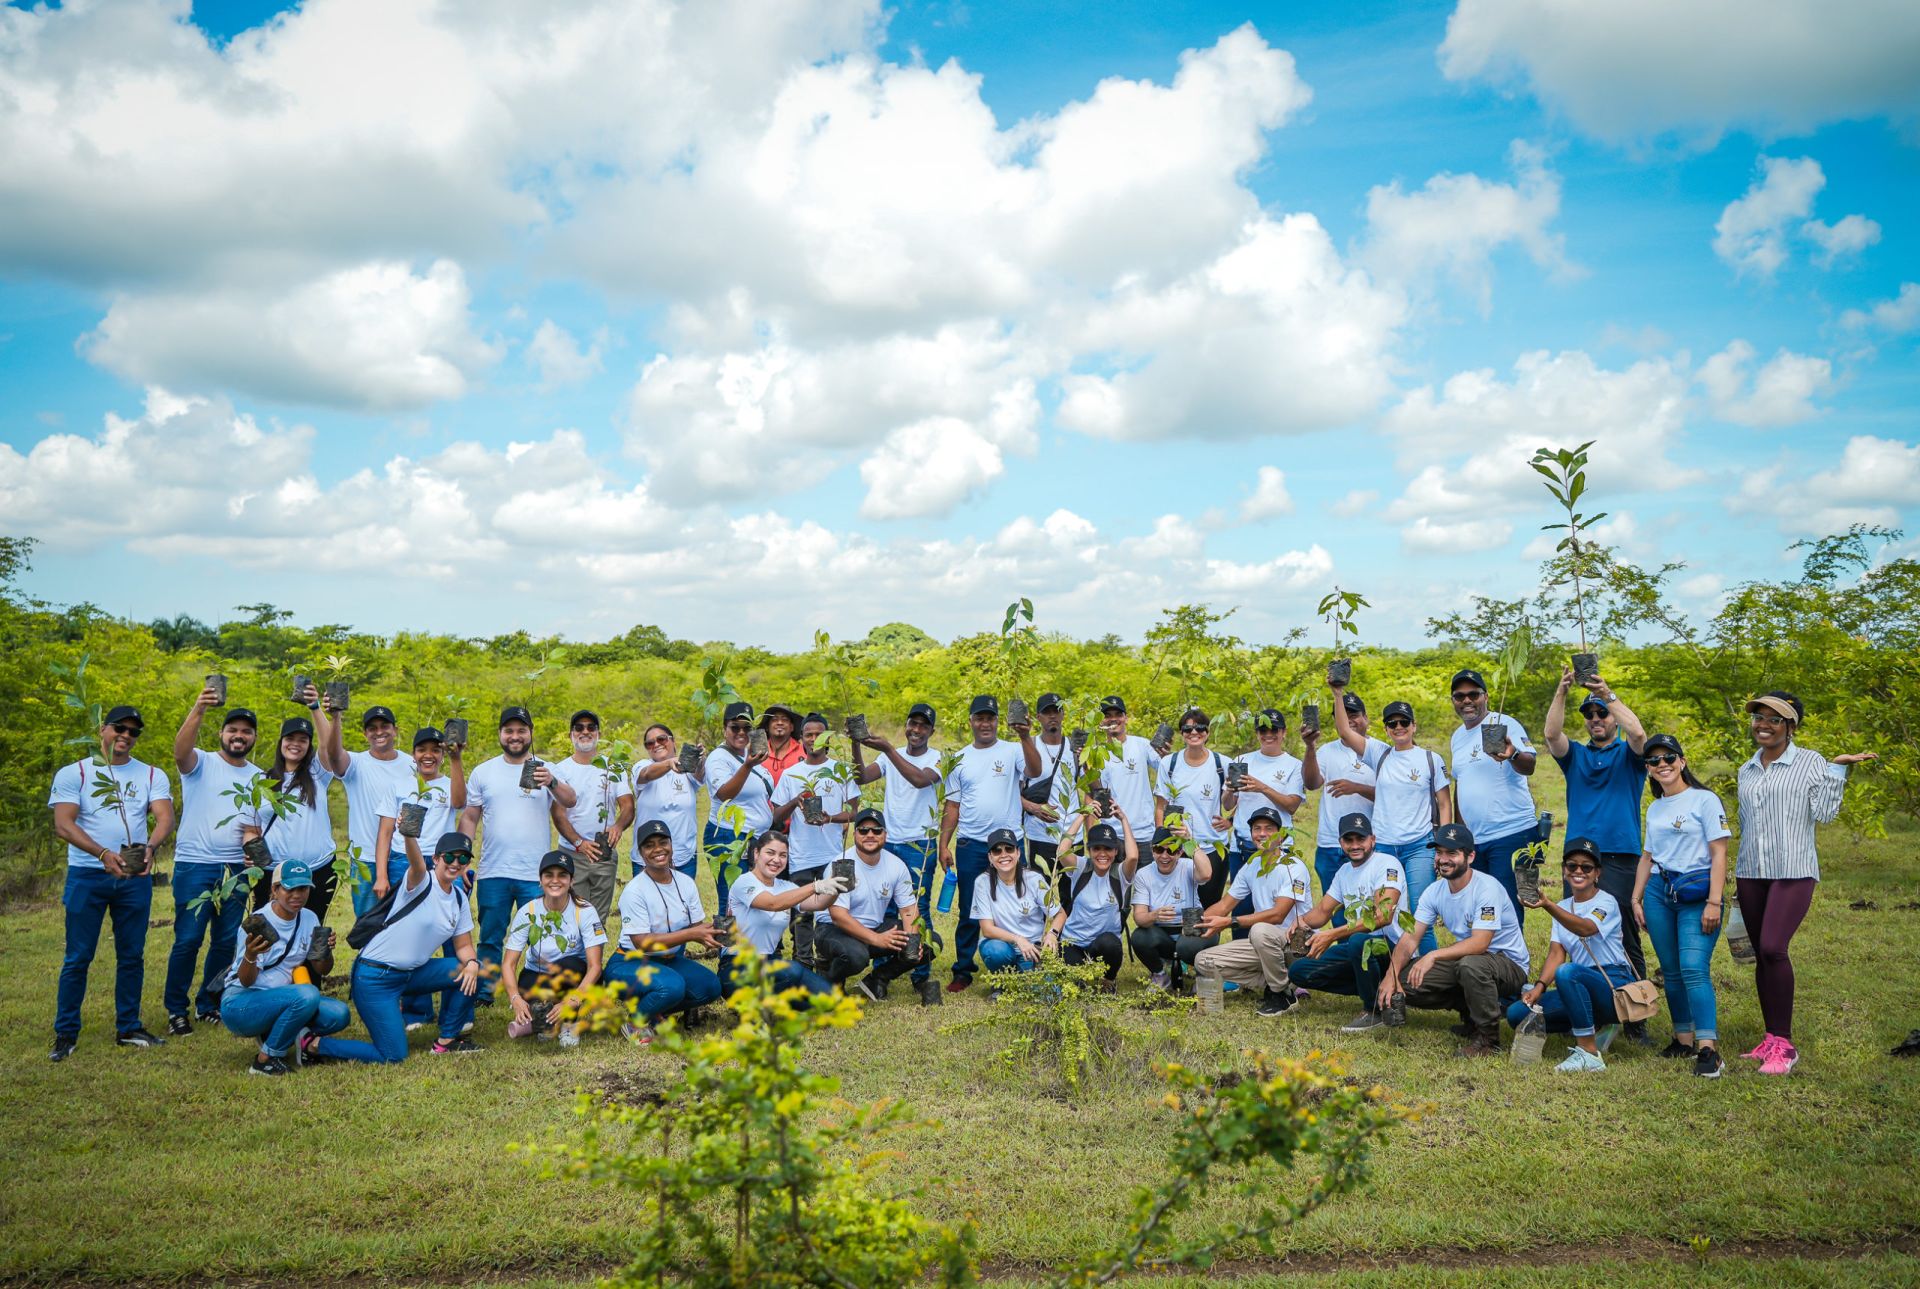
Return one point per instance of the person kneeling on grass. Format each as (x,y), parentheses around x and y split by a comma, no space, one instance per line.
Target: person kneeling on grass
(1010,903)
(554,944)
(1162,892)
(763,901)
(660,915)
(1481,971)
(876,922)
(1574,995)
(1369,887)
(1093,904)
(268,995)
(428,909)
(1277,888)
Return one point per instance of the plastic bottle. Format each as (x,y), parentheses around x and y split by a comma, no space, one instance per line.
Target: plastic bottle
(1209,997)
(949,886)
(1739,944)
(1530,1038)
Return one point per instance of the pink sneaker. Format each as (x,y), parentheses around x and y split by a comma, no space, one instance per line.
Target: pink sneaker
(1781,1059)
(519,1028)
(1761,1050)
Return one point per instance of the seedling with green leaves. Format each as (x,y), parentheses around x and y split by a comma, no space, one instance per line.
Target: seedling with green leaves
(1508,669)
(615,760)
(254,801)
(711,699)
(1340,609)
(77,697)
(838,665)
(1565,471)
(730,860)
(109,790)
(1019,642)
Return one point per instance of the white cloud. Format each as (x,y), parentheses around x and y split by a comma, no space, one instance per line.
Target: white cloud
(1356,502)
(558,357)
(1633,68)
(1425,536)
(1874,480)
(1751,232)
(928,468)
(1781,392)
(1852,235)
(1896,316)
(1270,498)
(378,336)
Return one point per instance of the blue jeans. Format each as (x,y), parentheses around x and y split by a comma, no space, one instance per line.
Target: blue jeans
(714,843)
(1416,857)
(676,984)
(276,1016)
(918,857)
(1580,1000)
(363,895)
(969,861)
(378,992)
(1685,953)
(90,894)
(1338,971)
(791,975)
(1495,859)
(1326,863)
(190,927)
(500,899)
(998,955)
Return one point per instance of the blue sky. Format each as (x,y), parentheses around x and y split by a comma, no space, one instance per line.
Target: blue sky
(748,319)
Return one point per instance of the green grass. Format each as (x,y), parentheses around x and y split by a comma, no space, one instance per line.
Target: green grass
(170,1164)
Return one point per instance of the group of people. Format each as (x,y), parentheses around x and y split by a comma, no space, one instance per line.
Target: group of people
(1051,843)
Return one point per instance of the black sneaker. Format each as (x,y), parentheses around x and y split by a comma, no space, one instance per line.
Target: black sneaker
(272,1066)
(140,1038)
(63,1045)
(456,1046)
(1463,1030)
(209,1017)
(1276,1002)
(873,990)
(930,993)
(1635,1032)
(1396,1013)
(179,1026)
(1676,1050)
(1707,1063)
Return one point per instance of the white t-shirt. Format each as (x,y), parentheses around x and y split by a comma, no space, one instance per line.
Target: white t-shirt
(763,928)
(673,799)
(406,942)
(811,846)
(1679,828)
(1338,761)
(1176,890)
(1095,911)
(1065,796)
(879,886)
(441,819)
(371,784)
(1606,949)
(753,797)
(1128,775)
(1289,880)
(1282,774)
(1024,913)
(307,833)
(579,928)
(202,838)
(1494,798)
(596,795)
(139,784)
(648,907)
(282,956)
(1361,884)
(985,781)
(515,826)
(1195,791)
(909,810)
(1404,784)
(1480,905)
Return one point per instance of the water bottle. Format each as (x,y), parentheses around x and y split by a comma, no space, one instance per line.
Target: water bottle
(948,886)
(1530,1037)
(1738,942)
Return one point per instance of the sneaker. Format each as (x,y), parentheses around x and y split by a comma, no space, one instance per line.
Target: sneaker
(959,984)
(1604,1036)
(1160,979)
(640,1035)
(1463,1030)
(309,1050)
(1362,1023)
(929,993)
(1761,1050)
(1275,1002)
(1635,1032)
(1908,1046)
(272,1066)
(1580,1061)
(209,1016)
(1677,1050)
(517,1028)
(1229,986)
(456,1046)
(1483,1043)
(466,1029)
(1707,1063)
(1781,1059)
(870,989)
(179,1026)
(296,1055)
(569,1035)
(140,1037)
(1396,1013)
(63,1045)
(412,1025)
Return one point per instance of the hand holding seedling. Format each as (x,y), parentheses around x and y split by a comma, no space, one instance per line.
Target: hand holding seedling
(1214,923)
(257,945)
(1322,940)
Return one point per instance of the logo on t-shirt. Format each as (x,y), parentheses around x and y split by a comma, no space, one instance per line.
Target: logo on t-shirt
(1413,775)
(999,767)
(1679,823)
(1393,874)
(1299,888)
(1598,915)
(1486,911)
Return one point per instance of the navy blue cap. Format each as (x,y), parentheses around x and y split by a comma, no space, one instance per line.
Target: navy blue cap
(869,815)
(1165,838)
(296,725)
(1453,837)
(453,843)
(1591,701)
(1467,673)
(1050,702)
(562,859)
(1356,825)
(242,714)
(516,714)
(1580,846)
(1113,703)
(737,712)
(922,710)
(1104,835)
(648,831)
(1003,837)
(1269,814)
(1397,708)
(428,734)
(1353,703)
(984,705)
(1269,718)
(377,713)
(1662,741)
(126,715)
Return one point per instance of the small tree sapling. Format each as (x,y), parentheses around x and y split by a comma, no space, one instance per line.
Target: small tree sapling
(1565,470)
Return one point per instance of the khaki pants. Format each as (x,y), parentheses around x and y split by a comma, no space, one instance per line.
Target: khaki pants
(593,881)
(1260,959)
(1479,988)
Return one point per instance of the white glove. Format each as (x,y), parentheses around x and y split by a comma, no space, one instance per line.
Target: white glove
(831,884)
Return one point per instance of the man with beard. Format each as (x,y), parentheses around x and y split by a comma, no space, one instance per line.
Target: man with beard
(812,846)
(206,853)
(602,812)
(1046,818)
(371,779)
(911,774)
(784,750)
(518,822)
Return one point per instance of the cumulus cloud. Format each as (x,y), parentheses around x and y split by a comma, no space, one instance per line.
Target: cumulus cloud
(1270,498)
(558,357)
(1751,232)
(1897,316)
(1781,392)
(1634,68)
(1852,235)
(1462,537)
(1873,481)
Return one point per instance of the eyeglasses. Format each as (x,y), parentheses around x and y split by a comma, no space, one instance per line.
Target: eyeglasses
(1665,758)
(869,830)
(1768,718)
(1468,695)
(1193,729)
(740,727)
(132,731)
(656,742)
(1399,723)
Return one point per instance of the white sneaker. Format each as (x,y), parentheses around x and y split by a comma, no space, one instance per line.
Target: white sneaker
(1363,1022)
(1580,1061)
(569,1036)
(1160,979)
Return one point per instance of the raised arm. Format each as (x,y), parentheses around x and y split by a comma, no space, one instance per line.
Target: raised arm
(185,754)
(1553,727)
(1343,723)
(1630,727)
(333,749)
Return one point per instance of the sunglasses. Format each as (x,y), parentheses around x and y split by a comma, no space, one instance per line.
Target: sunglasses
(583,727)
(869,830)
(458,861)
(740,727)
(1193,729)
(1664,758)
(1469,695)
(1399,723)
(132,731)
(656,742)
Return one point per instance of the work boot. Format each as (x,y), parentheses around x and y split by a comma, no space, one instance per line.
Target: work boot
(1485,1042)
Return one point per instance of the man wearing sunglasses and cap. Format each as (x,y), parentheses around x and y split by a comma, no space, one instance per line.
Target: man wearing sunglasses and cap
(739,794)
(912,776)
(1371,886)
(603,810)
(109,870)
(1273,783)
(876,922)
(1050,798)
(1129,771)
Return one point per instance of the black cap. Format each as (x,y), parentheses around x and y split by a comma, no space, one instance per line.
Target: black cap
(984,705)
(575,718)
(1268,718)
(1113,703)
(1165,838)
(557,859)
(1467,673)
(648,831)
(921,709)
(1050,703)
(815,718)
(516,714)
(1003,837)
(1658,741)
(296,725)
(453,843)
(1103,835)
(779,709)
(1397,708)
(129,715)
(867,814)
(1453,837)
(1269,814)
(243,714)
(736,712)
(1354,704)
(1591,701)
(377,713)
(1356,825)
(1581,846)
(428,734)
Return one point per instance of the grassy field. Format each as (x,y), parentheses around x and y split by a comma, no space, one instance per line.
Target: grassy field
(172,1165)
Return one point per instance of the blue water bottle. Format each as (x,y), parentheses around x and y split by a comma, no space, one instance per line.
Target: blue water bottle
(948,886)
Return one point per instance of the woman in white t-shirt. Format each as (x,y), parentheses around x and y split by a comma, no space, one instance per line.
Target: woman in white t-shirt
(554,947)
(762,902)
(1010,903)
(270,994)
(305,835)
(1677,897)
(1090,916)
(1586,962)
(1410,797)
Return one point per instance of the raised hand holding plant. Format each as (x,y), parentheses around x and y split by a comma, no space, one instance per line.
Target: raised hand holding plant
(1340,608)
(1565,470)
(1508,669)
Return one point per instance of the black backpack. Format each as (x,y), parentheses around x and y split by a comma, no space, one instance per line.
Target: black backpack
(381,915)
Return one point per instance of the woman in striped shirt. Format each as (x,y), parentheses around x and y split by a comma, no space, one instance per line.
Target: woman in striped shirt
(1786,791)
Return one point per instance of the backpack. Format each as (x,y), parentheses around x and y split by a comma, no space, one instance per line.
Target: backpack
(381,915)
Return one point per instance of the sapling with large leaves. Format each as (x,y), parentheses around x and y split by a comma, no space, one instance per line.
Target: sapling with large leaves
(1339,609)
(109,790)
(258,802)
(1565,470)
(1508,670)
(615,762)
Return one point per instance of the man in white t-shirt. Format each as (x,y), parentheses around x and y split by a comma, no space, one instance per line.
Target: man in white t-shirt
(205,853)
(1344,779)
(983,793)
(1490,791)
(371,778)
(516,807)
(1268,895)
(876,920)
(1371,886)
(912,775)
(602,811)
(1047,819)
(1273,782)
(109,869)
(739,788)
(1485,967)
(1130,769)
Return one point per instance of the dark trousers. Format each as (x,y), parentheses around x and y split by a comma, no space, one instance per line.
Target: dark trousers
(806,932)
(1478,987)
(844,957)
(1617,872)
(1161,949)
(1339,971)
(969,861)
(918,857)
(1215,886)
(91,894)
(1106,948)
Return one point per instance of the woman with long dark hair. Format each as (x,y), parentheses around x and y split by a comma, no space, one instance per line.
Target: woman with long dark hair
(1678,895)
(763,902)
(305,835)
(1010,902)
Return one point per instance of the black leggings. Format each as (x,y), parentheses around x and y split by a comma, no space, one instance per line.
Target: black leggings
(1157,947)
(1105,947)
